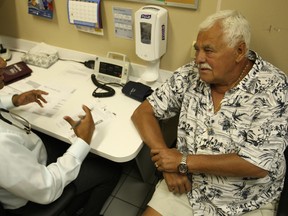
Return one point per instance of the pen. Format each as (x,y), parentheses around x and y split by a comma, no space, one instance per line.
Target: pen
(76,125)
(98,122)
(79,121)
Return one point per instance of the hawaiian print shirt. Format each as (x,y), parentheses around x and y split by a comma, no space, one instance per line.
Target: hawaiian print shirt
(251,122)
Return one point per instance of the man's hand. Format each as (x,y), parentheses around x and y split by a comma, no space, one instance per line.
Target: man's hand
(84,127)
(177,183)
(166,159)
(30,97)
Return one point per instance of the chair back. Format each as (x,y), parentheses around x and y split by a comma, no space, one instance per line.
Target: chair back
(283,202)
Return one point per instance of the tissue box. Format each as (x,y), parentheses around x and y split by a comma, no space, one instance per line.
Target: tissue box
(41,55)
(40,60)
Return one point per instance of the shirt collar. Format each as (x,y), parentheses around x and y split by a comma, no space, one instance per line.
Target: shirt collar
(249,82)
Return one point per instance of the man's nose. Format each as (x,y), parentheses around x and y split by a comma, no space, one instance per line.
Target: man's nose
(200,57)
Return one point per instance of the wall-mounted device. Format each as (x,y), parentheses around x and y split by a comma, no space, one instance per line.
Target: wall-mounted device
(151,37)
(114,68)
(151,32)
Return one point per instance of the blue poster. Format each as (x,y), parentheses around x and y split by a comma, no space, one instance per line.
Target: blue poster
(43,8)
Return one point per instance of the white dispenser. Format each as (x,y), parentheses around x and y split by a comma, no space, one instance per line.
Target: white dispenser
(151,38)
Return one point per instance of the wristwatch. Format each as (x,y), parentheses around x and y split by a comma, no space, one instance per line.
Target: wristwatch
(183,168)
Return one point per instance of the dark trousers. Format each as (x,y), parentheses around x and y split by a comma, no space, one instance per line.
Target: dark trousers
(94,184)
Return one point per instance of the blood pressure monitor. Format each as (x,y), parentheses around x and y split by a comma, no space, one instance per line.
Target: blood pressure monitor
(113,68)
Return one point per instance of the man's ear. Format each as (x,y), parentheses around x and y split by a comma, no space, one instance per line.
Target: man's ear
(240,51)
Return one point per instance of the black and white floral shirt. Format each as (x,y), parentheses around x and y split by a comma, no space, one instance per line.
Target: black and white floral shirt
(252,122)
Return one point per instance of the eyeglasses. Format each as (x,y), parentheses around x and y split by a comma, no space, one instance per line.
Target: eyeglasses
(24,124)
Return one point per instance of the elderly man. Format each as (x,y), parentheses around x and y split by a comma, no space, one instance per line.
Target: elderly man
(232,128)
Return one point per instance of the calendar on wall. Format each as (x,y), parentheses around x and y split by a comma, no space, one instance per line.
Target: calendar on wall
(86,15)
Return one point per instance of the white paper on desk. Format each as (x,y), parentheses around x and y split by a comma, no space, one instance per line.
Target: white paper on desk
(58,95)
(7,90)
(19,87)
(101,116)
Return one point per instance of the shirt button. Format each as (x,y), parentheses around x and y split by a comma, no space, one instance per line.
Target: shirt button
(195,185)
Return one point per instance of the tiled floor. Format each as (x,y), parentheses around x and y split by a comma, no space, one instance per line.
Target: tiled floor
(131,195)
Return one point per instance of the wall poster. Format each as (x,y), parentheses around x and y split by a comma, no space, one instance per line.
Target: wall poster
(43,8)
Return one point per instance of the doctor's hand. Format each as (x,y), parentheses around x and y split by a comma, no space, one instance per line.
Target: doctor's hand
(84,127)
(2,63)
(30,97)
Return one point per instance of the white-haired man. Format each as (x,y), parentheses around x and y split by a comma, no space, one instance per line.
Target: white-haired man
(232,129)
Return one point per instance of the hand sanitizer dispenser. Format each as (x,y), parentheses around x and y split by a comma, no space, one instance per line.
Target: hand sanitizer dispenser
(151,38)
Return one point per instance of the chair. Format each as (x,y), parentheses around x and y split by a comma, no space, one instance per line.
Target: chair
(54,209)
(283,202)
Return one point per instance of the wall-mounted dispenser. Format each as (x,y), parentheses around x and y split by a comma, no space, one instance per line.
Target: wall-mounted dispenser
(151,38)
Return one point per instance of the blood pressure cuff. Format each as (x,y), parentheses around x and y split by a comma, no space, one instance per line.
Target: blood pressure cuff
(136,90)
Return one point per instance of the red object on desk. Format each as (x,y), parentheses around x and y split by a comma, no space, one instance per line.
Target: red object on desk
(15,72)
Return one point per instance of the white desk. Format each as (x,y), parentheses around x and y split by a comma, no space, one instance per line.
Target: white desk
(116,140)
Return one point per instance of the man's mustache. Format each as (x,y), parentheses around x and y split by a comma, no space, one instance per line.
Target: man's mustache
(204,65)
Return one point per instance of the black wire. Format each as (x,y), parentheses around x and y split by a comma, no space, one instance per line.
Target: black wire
(71,60)
(109,90)
(112,83)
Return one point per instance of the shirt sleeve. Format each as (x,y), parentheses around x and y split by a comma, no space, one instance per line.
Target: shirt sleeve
(27,178)
(6,102)
(167,99)
(264,142)
(262,131)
